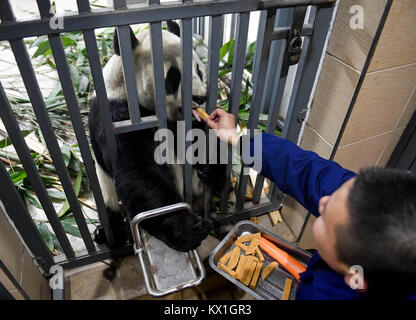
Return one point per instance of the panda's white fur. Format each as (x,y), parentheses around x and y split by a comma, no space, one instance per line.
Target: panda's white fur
(114,81)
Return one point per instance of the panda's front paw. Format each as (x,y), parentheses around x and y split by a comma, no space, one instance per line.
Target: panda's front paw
(182,231)
(207,175)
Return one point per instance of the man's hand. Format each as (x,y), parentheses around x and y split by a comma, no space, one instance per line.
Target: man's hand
(224,125)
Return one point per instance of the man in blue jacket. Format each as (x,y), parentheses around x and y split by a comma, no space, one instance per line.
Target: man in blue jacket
(366,222)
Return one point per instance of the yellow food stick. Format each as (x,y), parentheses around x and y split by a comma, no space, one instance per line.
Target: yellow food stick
(269,269)
(242,246)
(240,266)
(259,254)
(235,256)
(249,237)
(286,289)
(224,268)
(226,257)
(204,116)
(252,247)
(256,275)
(250,271)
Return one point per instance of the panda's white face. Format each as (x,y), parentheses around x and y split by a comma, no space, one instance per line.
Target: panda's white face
(114,81)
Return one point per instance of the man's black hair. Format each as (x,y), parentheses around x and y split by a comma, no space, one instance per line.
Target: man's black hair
(381,233)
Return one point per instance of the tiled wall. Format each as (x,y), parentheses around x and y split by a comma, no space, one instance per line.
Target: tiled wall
(387,98)
(385,103)
(19,263)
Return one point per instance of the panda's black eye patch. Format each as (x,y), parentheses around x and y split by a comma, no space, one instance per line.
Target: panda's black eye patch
(172,81)
(198,72)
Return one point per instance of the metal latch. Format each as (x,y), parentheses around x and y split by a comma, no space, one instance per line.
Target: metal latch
(294,48)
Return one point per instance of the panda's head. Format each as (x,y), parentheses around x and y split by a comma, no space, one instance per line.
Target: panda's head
(113,72)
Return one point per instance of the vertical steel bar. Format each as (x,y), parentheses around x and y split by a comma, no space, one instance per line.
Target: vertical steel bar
(239,58)
(126,51)
(158,69)
(186,96)
(313,60)
(277,98)
(105,114)
(73,108)
(214,45)
(35,95)
(25,157)
(17,212)
(262,56)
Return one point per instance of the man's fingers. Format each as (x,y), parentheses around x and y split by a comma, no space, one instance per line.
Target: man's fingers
(216,113)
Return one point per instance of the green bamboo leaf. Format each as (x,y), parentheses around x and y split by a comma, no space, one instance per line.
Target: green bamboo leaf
(31,199)
(71,228)
(66,154)
(43,49)
(57,195)
(46,235)
(7,142)
(231,53)
(226,48)
(77,187)
(17,176)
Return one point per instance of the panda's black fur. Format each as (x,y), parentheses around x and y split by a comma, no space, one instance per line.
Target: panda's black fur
(141,184)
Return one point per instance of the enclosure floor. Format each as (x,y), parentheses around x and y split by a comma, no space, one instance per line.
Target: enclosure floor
(88,283)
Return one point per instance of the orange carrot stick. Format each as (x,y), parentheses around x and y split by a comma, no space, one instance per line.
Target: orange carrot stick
(288,262)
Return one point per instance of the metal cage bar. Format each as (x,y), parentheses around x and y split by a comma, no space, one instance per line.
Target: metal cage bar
(16,210)
(138,15)
(216,24)
(32,87)
(158,69)
(262,58)
(277,98)
(186,96)
(240,45)
(25,157)
(192,14)
(68,90)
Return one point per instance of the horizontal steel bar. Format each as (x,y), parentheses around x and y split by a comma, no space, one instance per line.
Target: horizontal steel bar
(249,210)
(173,10)
(89,258)
(283,32)
(127,126)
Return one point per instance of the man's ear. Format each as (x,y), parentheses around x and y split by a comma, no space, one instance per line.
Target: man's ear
(116,46)
(355,280)
(174,28)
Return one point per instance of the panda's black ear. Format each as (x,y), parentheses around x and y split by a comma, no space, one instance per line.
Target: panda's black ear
(174,28)
(116,46)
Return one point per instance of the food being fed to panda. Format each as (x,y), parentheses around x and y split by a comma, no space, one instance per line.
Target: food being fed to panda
(135,178)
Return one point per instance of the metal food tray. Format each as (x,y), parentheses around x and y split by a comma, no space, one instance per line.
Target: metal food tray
(164,269)
(272,287)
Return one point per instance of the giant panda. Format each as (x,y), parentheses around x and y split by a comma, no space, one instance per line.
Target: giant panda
(136,179)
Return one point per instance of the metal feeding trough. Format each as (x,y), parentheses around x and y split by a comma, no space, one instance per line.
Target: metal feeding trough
(164,269)
(271,288)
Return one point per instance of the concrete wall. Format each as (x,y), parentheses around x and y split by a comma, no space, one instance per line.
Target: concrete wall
(19,263)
